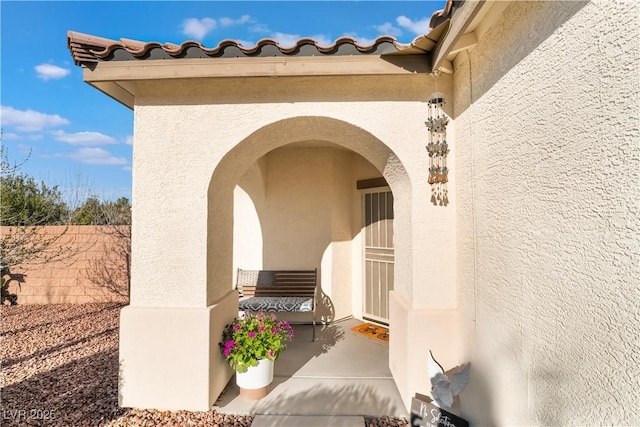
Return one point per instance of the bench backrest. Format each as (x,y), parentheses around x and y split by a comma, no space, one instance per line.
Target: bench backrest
(277,283)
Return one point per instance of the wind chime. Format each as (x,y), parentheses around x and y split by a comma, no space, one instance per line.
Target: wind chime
(438,148)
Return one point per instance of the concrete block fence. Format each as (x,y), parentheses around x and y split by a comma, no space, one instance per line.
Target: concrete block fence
(93,267)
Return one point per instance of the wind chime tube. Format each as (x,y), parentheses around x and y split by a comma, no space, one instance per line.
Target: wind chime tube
(438,149)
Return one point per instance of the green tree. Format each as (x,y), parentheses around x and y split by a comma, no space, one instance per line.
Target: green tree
(89,213)
(118,212)
(25,202)
(25,205)
(96,212)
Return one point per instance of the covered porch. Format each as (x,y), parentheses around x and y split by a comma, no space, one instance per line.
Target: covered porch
(341,373)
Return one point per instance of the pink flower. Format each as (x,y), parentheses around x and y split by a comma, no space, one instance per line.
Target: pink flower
(227,351)
(252,334)
(274,331)
(237,327)
(260,328)
(271,353)
(229,344)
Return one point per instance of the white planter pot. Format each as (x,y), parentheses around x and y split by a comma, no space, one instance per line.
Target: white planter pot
(256,377)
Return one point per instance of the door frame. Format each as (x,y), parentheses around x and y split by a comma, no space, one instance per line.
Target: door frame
(363,260)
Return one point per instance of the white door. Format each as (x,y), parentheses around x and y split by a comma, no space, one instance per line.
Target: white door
(378,253)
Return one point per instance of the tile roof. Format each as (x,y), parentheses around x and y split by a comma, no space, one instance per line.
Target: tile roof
(440,16)
(87,49)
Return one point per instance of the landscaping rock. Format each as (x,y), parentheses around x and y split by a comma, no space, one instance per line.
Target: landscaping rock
(60,368)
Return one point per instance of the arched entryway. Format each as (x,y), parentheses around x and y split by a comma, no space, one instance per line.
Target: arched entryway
(308,205)
(300,206)
(335,155)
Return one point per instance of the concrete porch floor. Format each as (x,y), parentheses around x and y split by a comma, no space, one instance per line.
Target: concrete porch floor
(341,373)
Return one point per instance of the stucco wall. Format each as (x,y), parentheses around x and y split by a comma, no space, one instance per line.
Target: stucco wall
(92,267)
(298,208)
(548,205)
(184,211)
(381,118)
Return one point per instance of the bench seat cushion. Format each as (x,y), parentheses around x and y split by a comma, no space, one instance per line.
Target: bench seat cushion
(275,304)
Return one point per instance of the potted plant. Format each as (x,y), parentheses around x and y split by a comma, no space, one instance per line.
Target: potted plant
(251,344)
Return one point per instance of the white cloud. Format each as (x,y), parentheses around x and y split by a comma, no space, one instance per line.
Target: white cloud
(9,136)
(83,138)
(127,168)
(259,28)
(198,28)
(227,22)
(388,28)
(286,40)
(128,140)
(364,41)
(50,71)
(96,156)
(417,27)
(29,120)
(322,40)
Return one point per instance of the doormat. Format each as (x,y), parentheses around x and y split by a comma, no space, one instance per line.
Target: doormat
(376,332)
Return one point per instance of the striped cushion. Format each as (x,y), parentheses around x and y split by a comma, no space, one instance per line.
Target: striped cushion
(288,304)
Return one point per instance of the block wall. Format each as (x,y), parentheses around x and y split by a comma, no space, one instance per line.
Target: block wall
(92,267)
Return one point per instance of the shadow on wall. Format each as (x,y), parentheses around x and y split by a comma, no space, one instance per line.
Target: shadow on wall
(111,271)
(8,279)
(476,399)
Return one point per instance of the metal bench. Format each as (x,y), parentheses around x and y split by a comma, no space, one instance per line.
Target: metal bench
(278,291)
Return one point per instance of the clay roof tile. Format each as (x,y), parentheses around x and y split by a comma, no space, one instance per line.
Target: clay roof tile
(87,49)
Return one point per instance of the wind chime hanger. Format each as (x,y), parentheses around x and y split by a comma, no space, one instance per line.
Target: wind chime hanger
(436,97)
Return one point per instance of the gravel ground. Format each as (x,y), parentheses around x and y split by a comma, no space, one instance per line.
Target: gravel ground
(60,368)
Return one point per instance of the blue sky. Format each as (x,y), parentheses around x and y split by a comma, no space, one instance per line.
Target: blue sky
(79,137)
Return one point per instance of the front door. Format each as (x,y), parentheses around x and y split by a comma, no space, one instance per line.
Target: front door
(378,253)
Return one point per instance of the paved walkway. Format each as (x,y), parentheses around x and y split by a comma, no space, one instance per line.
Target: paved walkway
(307,421)
(341,373)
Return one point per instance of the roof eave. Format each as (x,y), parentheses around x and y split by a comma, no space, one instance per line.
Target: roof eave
(115,78)
(114,90)
(469,21)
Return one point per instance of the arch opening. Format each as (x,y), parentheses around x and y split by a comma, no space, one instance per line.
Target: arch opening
(291,187)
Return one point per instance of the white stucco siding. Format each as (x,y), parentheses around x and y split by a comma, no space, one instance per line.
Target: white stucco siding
(170,218)
(193,121)
(548,202)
